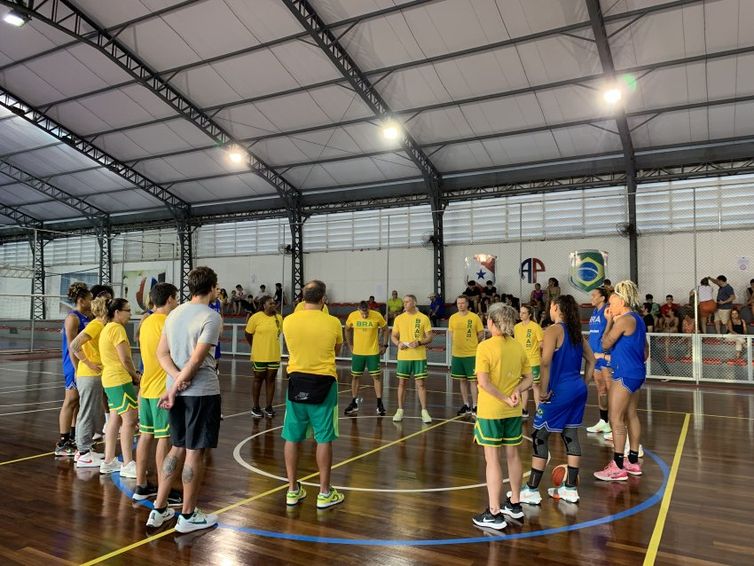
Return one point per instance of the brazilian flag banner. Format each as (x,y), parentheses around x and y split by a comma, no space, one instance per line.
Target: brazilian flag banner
(588,268)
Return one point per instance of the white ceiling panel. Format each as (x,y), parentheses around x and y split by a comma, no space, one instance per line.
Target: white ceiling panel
(158,44)
(138,143)
(670,86)
(522,149)
(193,191)
(50,211)
(51,160)
(679,127)
(265,19)
(90,182)
(461,156)
(17,134)
(440,124)
(124,201)
(26,84)
(34,37)
(524,17)
(510,113)
(110,14)
(356,171)
(245,121)
(189,165)
(728,24)
(309,176)
(238,186)
(395,165)
(19,194)
(338,10)
(204,86)
(583,140)
(570,103)
(559,58)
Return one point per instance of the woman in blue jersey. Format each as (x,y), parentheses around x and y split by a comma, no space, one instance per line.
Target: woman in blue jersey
(74,323)
(563,395)
(597,324)
(625,336)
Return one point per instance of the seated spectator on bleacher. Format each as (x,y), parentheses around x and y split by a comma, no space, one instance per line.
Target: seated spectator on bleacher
(725,299)
(654,308)
(748,312)
(737,330)
(239,300)
(646,315)
(669,305)
(436,309)
(488,291)
(394,306)
(668,321)
(536,300)
(372,304)
(474,293)
(259,297)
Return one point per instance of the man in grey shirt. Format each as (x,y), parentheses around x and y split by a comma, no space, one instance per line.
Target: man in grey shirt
(725,299)
(186,353)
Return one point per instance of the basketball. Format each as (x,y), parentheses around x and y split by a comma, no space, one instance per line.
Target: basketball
(559,474)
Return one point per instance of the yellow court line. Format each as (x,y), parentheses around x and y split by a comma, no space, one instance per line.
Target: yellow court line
(654,542)
(147,540)
(27,458)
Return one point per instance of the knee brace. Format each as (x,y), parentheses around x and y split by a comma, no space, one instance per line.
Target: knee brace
(570,438)
(540,438)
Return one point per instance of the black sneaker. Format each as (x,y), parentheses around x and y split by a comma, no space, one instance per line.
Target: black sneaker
(175,498)
(380,409)
(257,413)
(473,412)
(513,510)
(352,408)
(142,493)
(269,412)
(524,414)
(464,410)
(490,521)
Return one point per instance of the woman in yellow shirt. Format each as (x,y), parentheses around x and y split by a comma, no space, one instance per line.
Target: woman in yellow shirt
(118,379)
(89,383)
(529,334)
(263,335)
(503,371)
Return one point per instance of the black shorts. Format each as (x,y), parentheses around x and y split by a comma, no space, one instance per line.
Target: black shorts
(195,422)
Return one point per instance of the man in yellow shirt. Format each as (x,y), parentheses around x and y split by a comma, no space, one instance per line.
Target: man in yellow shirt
(364,333)
(412,331)
(154,421)
(263,335)
(313,340)
(302,305)
(466,331)
(394,306)
(529,334)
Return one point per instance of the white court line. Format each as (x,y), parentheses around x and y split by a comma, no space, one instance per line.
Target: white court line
(35,388)
(33,371)
(22,386)
(27,412)
(33,403)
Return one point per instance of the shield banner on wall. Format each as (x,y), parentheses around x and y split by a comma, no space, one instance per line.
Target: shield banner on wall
(587,269)
(480,268)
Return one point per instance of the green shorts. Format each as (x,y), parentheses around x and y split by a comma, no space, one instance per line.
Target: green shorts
(408,368)
(463,368)
(370,363)
(301,419)
(152,419)
(122,398)
(535,373)
(265,366)
(498,432)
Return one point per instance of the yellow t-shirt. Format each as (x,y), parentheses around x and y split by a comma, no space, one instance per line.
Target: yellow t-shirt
(365,331)
(113,372)
(505,361)
(91,350)
(465,330)
(411,327)
(395,305)
(311,336)
(266,330)
(300,307)
(154,379)
(530,336)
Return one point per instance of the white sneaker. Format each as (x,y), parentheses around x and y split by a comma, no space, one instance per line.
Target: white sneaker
(109,467)
(608,436)
(398,416)
(128,470)
(89,460)
(601,426)
(528,495)
(628,448)
(96,437)
(157,519)
(426,418)
(196,522)
(569,494)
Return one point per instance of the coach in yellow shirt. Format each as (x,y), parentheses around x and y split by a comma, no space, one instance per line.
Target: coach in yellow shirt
(154,421)
(466,331)
(529,334)
(301,306)
(412,331)
(313,339)
(364,333)
(263,335)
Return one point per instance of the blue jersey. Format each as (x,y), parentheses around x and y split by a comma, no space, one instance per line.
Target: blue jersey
(69,371)
(217,306)
(566,362)
(627,354)
(597,325)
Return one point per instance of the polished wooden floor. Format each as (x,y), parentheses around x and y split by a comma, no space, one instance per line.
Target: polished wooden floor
(412,488)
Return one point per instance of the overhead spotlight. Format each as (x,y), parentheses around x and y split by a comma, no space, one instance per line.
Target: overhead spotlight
(612,95)
(391,131)
(15,18)
(236,155)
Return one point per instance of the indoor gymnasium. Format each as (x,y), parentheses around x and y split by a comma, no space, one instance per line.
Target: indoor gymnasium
(442,282)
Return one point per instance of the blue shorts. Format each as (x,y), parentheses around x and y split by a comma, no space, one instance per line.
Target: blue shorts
(601,363)
(70,380)
(565,409)
(633,384)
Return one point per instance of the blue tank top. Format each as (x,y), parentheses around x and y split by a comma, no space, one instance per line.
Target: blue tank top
(566,361)
(217,306)
(597,325)
(627,354)
(68,368)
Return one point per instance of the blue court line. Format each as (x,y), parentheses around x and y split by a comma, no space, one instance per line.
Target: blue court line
(643,506)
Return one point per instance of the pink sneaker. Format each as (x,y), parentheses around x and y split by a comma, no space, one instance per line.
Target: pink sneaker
(611,472)
(632,469)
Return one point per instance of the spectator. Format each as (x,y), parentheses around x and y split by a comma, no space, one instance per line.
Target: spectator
(394,306)
(737,328)
(372,304)
(488,291)
(669,305)
(608,285)
(239,300)
(436,309)
(224,301)
(259,297)
(474,293)
(646,314)
(654,308)
(725,299)
(748,313)
(668,321)
(279,296)
(707,305)
(551,293)
(536,300)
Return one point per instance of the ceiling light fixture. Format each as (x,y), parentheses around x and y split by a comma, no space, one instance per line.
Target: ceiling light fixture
(15,18)
(612,95)
(391,131)
(236,155)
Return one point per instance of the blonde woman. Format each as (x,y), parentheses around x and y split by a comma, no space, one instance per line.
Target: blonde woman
(89,383)
(625,337)
(118,378)
(503,371)
(529,334)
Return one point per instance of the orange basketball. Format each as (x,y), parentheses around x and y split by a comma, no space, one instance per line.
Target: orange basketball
(559,474)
